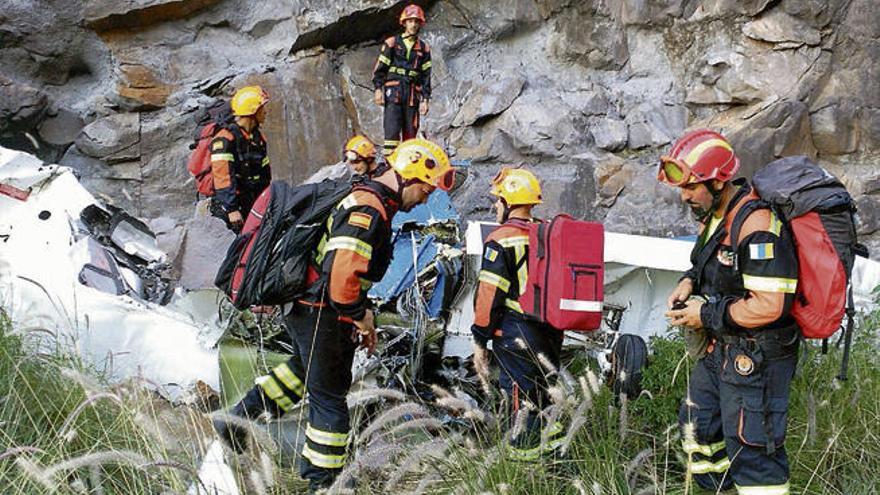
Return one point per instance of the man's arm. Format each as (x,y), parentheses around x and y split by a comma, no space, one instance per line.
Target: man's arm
(425,74)
(383,63)
(222,162)
(768,263)
(349,254)
(494,285)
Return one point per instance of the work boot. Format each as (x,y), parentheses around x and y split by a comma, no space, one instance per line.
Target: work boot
(323,486)
(249,408)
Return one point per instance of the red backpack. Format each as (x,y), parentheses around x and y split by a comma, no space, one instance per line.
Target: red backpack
(566,274)
(819,211)
(209,122)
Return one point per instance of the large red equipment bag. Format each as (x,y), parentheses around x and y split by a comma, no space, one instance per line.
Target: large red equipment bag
(566,274)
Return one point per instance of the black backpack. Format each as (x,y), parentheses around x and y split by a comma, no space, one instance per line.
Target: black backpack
(268,262)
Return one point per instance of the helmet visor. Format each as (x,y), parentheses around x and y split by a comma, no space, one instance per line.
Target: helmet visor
(673,172)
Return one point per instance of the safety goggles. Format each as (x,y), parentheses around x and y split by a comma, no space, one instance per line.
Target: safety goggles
(445,181)
(674,172)
(352,157)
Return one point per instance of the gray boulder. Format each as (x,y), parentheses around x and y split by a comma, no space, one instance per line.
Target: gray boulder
(777,26)
(335,24)
(106,15)
(117,184)
(489,100)
(114,138)
(610,134)
(835,128)
(762,134)
(21,106)
(589,36)
(203,248)
(500,19)
(61,127)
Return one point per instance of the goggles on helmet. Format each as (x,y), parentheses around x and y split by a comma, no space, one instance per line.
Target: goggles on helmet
(353,157)
(674,172)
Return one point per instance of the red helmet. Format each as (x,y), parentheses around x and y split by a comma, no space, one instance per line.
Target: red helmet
(412,11)
(698,156)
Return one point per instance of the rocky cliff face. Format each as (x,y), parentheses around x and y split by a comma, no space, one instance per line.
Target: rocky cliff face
(587,93)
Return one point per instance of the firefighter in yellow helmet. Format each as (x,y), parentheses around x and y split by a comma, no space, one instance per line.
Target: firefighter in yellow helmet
(402,79)
(516,341)
(360,154)
(239,158)
(333,313)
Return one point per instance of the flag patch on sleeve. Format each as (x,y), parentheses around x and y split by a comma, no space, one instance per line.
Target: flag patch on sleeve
(218,145)
(491,254)
(763,251)
(361,220)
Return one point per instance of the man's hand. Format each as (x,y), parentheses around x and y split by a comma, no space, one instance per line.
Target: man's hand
(481,361)
(235,220)
(681,292)
(689,316)
(366,328)
(379,97)
(423,107)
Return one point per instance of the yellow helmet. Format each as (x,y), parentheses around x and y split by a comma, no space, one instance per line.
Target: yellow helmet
(425,161)
(248,100)
(516,186)
(362,147)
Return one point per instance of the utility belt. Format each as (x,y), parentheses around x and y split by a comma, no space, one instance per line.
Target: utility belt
(777,343)
(407,73)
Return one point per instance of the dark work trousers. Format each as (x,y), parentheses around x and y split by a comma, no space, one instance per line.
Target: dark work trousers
(324,348)
(401,117)
(522,376)
(738,399)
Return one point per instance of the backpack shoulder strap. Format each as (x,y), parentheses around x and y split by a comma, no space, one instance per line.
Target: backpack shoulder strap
(390,200)
(739,219)
(238,138)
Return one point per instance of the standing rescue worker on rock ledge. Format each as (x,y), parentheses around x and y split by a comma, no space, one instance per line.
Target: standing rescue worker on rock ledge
(734,417)
(325,323)
(239,159)
(402,79)
(516,341)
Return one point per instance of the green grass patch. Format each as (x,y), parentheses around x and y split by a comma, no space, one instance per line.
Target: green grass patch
(63,431)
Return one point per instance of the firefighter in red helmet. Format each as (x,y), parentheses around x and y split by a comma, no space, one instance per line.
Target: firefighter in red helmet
(402,79)
(734,417)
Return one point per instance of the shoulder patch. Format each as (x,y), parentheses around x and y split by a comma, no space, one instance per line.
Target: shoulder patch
(491,254)
(762,251)
(218,145)
(359,219)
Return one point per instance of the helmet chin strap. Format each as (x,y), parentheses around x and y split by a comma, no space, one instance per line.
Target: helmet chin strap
(505,213)
(702,215)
